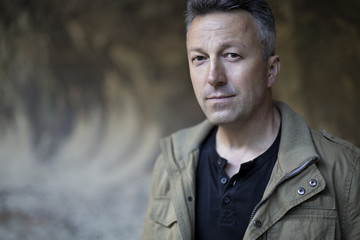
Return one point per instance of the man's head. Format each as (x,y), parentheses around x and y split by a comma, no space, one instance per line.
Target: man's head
(231,76)
(259,9)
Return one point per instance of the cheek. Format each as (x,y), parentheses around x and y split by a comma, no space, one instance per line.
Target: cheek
(239,78)
(196,87)
(253,75)
(249,82)
(197,81)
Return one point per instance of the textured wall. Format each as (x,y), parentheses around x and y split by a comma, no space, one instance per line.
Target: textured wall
(88,87)
(319,47)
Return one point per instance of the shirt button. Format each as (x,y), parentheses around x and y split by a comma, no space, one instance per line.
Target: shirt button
(227,200)
(257,223)
(219,161)
(223,180)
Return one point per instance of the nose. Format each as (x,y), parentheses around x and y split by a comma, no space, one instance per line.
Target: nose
(216,74)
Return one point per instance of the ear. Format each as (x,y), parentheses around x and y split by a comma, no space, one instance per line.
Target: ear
(273,69)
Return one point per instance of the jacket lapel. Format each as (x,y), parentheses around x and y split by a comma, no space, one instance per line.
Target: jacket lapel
(182,152)
(292,173)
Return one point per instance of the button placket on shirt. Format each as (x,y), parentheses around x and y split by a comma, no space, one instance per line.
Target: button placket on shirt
(223,180)
(227,200)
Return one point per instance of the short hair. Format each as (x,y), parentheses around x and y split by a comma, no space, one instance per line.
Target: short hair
(259,9)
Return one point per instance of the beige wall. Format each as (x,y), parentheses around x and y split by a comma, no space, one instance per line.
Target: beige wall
(88,87)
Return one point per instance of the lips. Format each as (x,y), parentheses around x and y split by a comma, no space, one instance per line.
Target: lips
(219,97)
(219,101)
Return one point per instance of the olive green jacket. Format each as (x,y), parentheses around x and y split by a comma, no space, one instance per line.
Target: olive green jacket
(313,192)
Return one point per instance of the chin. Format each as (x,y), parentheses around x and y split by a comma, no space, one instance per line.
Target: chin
(221,120)
(229,117)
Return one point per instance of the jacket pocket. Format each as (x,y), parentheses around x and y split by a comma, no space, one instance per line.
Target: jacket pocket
(307,221)
(164,218)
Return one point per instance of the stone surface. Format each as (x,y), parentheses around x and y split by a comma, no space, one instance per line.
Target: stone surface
(318,45)
(88,87)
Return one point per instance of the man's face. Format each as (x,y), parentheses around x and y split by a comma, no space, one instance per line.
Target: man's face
(228,73)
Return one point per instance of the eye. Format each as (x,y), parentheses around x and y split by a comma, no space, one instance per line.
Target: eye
(232,56)
(198,58)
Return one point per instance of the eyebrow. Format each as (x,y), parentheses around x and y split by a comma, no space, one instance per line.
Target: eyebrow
(223,46)
(195,49)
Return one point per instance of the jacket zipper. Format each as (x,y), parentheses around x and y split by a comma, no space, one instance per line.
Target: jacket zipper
(285,178)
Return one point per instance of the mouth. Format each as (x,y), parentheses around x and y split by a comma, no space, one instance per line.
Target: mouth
(220,97)
(219,100)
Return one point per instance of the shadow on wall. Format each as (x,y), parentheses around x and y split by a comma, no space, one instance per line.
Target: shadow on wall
(87,89)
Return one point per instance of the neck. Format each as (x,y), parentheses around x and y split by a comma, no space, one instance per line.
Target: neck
(246,140)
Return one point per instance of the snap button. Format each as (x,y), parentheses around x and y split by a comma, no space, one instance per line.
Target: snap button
(227,200)
(257,223)
(313,183)
(223,180)
(301,191)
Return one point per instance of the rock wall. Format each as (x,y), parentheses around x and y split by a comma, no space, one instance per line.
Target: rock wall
(88,87)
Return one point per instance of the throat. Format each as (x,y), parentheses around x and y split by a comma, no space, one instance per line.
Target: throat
(235,160)
(231,169)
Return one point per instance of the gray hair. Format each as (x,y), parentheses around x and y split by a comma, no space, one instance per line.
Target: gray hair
(259,9)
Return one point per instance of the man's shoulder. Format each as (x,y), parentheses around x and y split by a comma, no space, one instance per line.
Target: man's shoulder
(333,145)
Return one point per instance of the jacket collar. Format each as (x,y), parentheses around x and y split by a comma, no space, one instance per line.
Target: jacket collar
(180,145)
(296,145)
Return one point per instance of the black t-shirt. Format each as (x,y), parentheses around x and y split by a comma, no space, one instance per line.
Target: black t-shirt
(224,205)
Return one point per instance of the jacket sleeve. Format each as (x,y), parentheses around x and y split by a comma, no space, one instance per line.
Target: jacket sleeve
(149,225)
(351,215)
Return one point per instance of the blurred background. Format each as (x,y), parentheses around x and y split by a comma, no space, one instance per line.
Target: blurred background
(87,88)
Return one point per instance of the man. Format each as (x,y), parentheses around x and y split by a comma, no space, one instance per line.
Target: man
(253,169)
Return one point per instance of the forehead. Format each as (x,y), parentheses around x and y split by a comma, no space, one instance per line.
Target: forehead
(223,25)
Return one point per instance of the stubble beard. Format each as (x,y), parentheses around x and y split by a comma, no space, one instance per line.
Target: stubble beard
(227,116)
